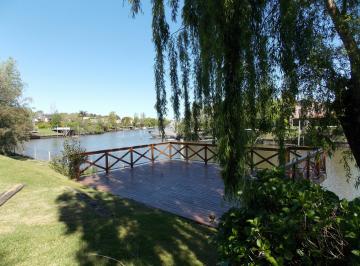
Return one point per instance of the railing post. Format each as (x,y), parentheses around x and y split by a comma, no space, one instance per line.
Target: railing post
(287,155)
(170,150)
(293,174)
(206,159)
(131,157)
(186,152)
(152,153)
(317,164)
(106,163)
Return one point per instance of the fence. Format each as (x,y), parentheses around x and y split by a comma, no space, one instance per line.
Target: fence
(111,159)
(302,162)
(309,166)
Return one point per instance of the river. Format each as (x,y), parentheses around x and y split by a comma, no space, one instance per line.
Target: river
(43,149)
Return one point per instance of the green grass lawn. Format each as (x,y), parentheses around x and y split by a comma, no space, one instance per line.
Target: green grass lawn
(46,132)
(55,221)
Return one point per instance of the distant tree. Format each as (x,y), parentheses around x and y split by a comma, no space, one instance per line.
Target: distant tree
(15,118)
(126,121)
(101,126)
(136,120)
(113,117)
(56,120)
(82,114)
(42,125)
(142,119)
(150,122)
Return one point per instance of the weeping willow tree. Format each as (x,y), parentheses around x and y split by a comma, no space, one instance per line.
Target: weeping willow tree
(247,63)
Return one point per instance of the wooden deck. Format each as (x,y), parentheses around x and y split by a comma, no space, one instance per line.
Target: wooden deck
(188,189)
(186,183)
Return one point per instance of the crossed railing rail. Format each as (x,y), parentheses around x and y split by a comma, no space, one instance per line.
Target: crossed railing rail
(112,159)
(311,165)
(302,162)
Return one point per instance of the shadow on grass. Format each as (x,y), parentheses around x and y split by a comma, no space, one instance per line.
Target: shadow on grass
(116,231)
(19,157)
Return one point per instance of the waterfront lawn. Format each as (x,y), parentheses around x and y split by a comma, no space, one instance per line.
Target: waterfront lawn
(44,132)
(55,221)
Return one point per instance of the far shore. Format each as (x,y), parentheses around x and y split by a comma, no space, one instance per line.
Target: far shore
(55,135)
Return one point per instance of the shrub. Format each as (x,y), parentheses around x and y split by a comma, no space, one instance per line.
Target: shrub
(42,125)
(70,160)
(285,222)
(350,226)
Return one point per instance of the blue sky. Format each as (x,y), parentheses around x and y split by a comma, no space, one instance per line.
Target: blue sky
(81,54)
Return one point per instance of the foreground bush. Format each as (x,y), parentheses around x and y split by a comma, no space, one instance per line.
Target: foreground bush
(70,160)
(285,222)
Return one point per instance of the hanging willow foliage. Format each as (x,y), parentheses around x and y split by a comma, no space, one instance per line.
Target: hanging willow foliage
(174,80)
(160,38)
(245,64)
(183,43)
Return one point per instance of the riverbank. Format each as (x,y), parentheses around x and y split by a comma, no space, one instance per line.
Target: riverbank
(54,220)
(48,133)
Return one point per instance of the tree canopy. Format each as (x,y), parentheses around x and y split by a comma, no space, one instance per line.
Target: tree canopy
(235,59)
(15,122)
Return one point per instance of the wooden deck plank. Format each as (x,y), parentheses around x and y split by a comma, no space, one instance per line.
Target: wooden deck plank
(191,190)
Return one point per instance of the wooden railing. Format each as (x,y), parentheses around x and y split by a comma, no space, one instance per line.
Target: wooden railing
(257,157)
(111,159)
(311,166)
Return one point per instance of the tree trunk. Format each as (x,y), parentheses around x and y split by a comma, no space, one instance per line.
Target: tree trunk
(350,122)
(348,103)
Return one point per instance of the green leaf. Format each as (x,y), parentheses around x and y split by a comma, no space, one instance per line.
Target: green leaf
(259,242)
(271,259)
(356,252)
(351,235)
